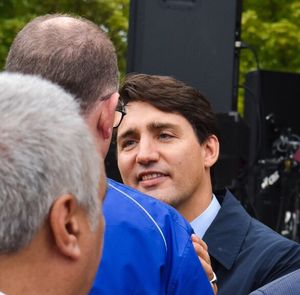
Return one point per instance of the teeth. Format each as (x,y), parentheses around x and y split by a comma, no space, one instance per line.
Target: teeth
(151,176)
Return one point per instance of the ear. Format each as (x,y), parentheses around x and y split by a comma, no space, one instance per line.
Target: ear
(64,224)
(107,115)
(211,146)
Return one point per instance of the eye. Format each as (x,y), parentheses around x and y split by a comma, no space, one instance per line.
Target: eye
(165,136)
(128,144)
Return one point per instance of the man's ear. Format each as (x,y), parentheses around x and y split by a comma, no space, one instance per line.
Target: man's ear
(212,148)
(65,226)
(107,116)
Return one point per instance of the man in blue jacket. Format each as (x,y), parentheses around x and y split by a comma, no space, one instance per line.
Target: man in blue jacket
(147,248)
(166,146)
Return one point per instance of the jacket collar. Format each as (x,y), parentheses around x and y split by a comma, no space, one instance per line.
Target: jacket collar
(227,232)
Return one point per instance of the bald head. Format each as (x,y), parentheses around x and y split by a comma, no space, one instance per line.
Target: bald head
(72,52)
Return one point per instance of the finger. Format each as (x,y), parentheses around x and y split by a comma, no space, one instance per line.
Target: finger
(201,252)
(208,269)
(215,288)
(203,244)
(213,283)
(196,239)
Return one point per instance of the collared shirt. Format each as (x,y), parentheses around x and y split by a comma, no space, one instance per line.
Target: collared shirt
(201,223)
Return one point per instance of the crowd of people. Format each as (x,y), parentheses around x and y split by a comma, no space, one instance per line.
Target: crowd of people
(67,229)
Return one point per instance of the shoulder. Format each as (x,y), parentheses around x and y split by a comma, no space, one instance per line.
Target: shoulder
(276,253)
(147,247)
(249,250)
(270,254)
(267,238)
(130,207)
(286,285)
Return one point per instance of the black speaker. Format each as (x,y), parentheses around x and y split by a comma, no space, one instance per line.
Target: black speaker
(234,149)
(272,102)
(192,40)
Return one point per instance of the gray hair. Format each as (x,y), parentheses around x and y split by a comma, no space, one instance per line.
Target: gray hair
(46,151)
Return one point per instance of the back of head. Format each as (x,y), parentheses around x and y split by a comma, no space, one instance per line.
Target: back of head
(43,155)
(173,96)
(72,52)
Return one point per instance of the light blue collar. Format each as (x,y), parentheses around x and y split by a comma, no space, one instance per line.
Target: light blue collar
(201,223)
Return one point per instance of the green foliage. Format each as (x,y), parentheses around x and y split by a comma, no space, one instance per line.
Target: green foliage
(271,28)
(111,14)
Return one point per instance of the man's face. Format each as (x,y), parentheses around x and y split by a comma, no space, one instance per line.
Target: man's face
(159,154)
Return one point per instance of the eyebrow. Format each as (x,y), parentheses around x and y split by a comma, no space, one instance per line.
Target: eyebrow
(152,127)
(127,133)
(161,125)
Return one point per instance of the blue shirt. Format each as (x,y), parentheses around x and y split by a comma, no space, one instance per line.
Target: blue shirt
(201,223)
(147,248)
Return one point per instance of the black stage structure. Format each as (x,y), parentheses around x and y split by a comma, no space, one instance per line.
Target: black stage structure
(272,105)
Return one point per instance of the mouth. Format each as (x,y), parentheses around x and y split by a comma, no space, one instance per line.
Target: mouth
(151,178)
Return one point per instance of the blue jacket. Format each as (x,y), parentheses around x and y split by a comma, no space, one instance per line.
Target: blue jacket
(245,253)
(147,248)
(286,285)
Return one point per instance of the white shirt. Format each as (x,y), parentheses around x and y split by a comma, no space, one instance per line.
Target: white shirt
(201,223)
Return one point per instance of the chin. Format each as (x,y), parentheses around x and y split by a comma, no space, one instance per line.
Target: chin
(162,196)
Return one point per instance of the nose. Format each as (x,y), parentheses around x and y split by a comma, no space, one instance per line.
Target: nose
(147,152)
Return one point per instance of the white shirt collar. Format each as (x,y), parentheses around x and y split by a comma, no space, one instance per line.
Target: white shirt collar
(201,223)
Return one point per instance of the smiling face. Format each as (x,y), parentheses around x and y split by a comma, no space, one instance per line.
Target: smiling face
(160,155)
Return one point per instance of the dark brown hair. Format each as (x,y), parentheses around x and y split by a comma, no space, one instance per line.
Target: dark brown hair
(70,51)
(172,96)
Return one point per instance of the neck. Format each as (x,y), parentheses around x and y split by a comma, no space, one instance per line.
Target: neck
(36,269)
(197,202)
(21,276)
